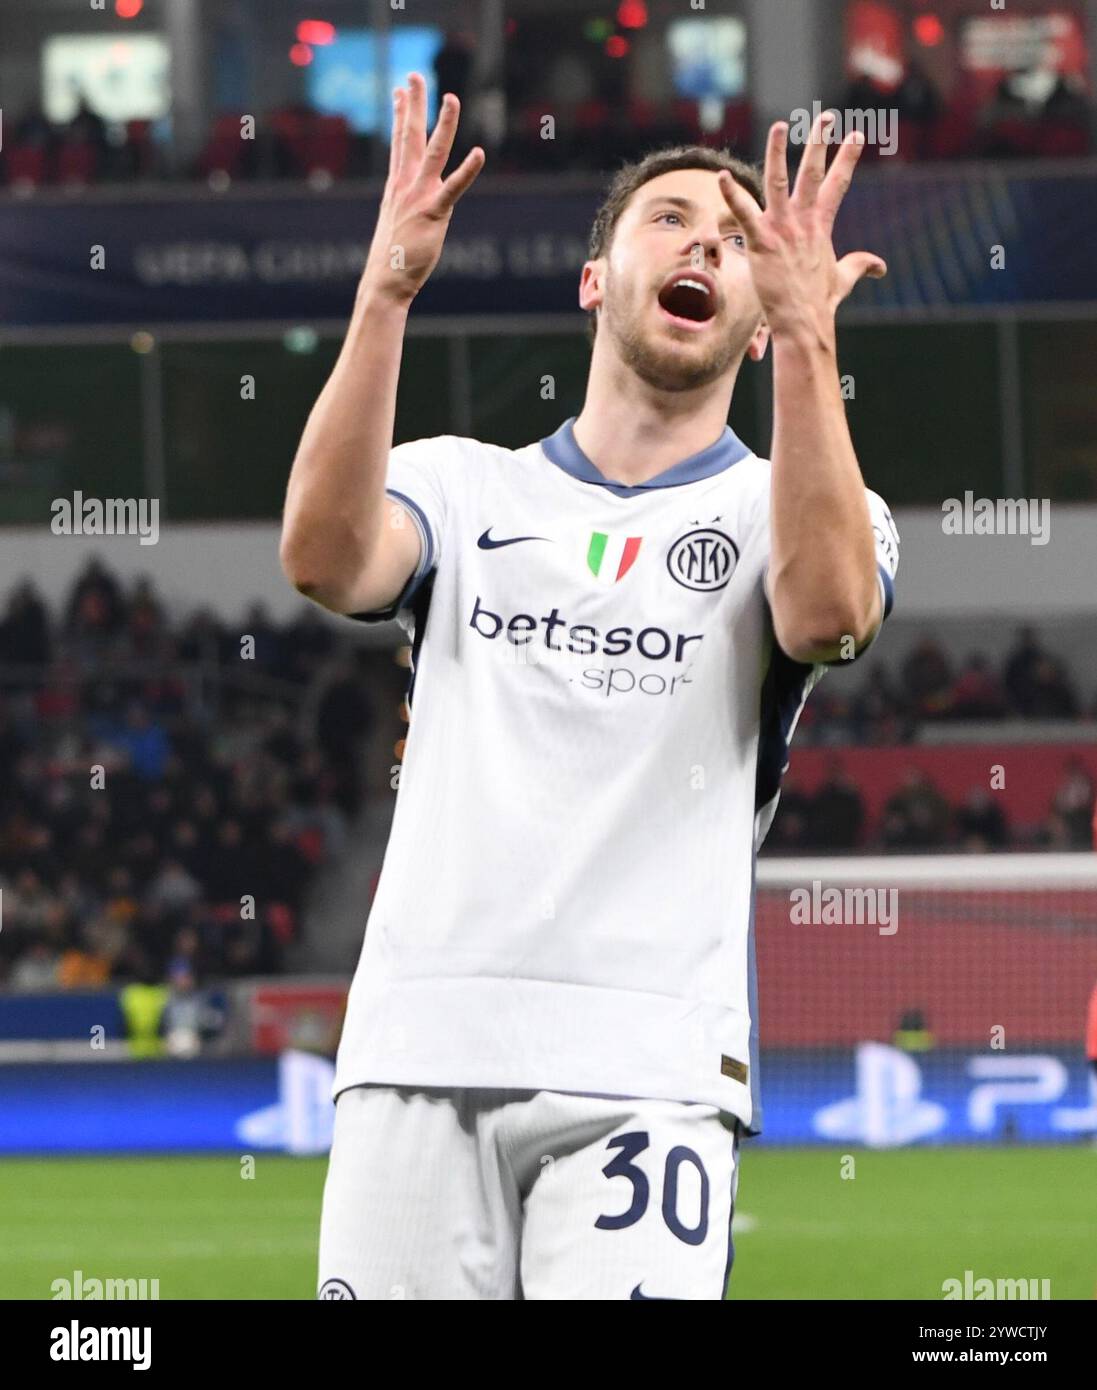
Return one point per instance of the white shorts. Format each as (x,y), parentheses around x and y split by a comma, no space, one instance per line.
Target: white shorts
(443,1193)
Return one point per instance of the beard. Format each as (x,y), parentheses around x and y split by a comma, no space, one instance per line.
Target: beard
(661,363)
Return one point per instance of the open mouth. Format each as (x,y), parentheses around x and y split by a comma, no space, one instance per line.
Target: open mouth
(688,301)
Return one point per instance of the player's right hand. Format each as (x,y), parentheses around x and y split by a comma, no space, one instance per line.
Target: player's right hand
(417,203)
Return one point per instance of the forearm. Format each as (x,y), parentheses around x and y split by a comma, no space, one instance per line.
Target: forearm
(822,576)
(335,505)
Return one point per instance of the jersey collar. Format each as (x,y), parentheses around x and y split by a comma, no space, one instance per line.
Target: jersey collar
(562,448)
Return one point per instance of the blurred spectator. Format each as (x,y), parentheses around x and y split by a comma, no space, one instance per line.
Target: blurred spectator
(1036,112)
(173,889)
(977,693)
(879,709)
(145,741)
(32,128)
(837,812)
(1066,120)
(36,969)
(27,904)
(309,642)
(919,107)
(143,1001)
(1073,803)
(789,832)
(95,607)
(917,815)
(1054,834)
(453,64)
(192,1016)
(267,638)
(1021,664)
(87,127)
(344,720)
(927,678)
(284,868)
(1006,122)
(144,620)
(24,632)
(1051,695)
(201,639)
(82,967)
(981,823)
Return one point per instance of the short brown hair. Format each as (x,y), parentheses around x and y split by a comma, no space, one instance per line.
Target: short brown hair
(630,177)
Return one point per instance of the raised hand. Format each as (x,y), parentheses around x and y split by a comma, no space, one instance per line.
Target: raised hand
(417,203)
(799,280)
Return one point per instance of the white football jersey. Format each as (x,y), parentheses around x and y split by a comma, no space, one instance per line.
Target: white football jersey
(600,719)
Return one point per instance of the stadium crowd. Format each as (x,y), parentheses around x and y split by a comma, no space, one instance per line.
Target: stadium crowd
(166,800)
(601,117)
(928,687)
(917,817)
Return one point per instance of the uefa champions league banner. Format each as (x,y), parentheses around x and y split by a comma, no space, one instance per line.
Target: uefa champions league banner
(962,237)
(876,1097)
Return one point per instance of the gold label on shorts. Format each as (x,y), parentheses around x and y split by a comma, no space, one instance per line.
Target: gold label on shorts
(735,1069)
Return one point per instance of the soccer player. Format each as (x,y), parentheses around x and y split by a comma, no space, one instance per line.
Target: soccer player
(550,1050)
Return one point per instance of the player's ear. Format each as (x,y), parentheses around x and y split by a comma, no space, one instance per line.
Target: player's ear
(590,285)
(758,344)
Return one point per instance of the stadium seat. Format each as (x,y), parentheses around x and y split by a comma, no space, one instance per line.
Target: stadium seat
(687,118)
(326,146)
(224,150)
(1062,139)
(140,150)
(952,135)
(77,163)
(26,166)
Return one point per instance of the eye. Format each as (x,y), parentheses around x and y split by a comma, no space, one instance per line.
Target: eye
(661,215)
(739,239)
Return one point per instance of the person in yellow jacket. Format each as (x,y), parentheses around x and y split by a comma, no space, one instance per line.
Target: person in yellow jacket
(143,1007)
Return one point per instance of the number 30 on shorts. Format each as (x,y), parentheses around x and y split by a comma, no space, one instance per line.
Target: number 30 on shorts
(623,1167)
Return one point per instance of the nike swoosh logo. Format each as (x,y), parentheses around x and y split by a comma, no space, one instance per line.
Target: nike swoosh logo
(651,1297)
(486,543)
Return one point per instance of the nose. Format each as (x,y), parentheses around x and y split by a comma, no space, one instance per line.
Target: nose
(711,245)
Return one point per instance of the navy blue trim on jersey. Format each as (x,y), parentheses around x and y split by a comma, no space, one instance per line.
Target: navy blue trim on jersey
(889,589)
(782,696)
(562,448)
(419,610)
(731,1216)
(424,567)
(782,699)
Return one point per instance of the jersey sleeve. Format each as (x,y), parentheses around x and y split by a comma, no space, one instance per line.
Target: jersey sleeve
(886,538)
(415,480)
(887,560)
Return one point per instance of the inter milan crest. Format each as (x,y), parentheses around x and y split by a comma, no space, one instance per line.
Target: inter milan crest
(704,559)
(336,1288)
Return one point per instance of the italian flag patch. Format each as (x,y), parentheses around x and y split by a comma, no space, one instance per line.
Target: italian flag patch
(610,557)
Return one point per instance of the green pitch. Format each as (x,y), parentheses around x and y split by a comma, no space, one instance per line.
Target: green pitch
(907,1221)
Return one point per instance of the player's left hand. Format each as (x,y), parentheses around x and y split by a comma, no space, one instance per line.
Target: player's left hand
(797,275)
